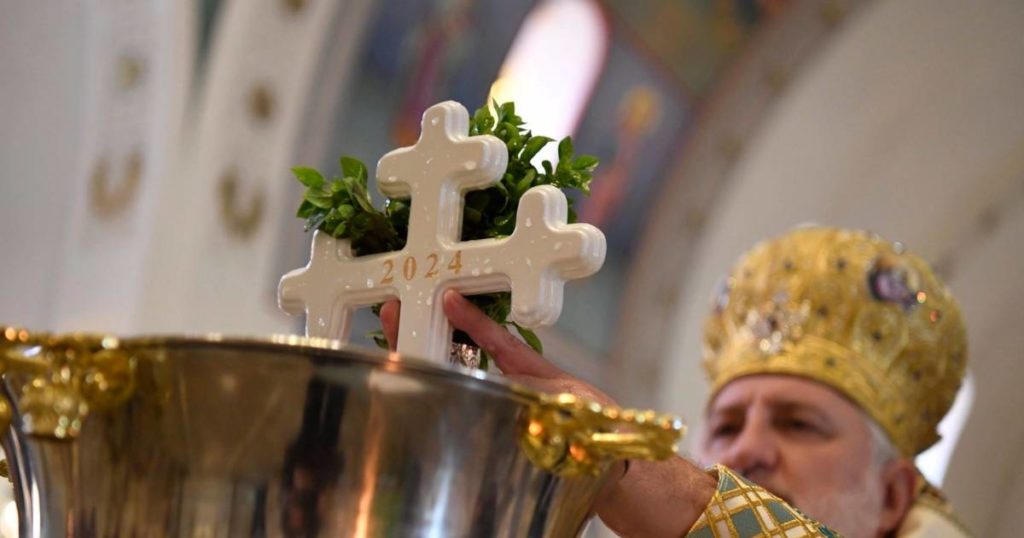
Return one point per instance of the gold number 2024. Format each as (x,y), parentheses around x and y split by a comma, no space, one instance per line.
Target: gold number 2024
(410,267)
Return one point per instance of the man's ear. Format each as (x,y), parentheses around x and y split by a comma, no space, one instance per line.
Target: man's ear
(899,484)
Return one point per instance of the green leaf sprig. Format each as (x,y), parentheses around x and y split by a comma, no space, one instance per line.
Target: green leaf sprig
(342,207)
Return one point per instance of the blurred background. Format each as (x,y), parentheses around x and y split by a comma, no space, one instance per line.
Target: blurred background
(145,149)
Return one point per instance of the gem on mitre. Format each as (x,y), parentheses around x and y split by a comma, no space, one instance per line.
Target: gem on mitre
(891,284)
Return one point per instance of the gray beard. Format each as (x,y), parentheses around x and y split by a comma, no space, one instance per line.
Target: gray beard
(854,512)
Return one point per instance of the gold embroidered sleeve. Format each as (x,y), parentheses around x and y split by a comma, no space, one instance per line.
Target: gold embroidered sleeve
(739,508)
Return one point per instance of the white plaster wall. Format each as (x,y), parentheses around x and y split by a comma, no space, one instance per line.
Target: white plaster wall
(166,262)
(910,123)
(41,64)
(984,479)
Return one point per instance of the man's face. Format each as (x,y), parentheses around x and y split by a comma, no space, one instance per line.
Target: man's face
(803,442)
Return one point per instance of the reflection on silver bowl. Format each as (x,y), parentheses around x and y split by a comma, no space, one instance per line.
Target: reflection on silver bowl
(225,437)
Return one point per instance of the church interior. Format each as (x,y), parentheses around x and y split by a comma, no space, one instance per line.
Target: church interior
(146,149)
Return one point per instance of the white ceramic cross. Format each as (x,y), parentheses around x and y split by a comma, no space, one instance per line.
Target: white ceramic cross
(534,262)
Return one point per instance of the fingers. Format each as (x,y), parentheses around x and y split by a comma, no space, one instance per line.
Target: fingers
(512,356)
(389,322)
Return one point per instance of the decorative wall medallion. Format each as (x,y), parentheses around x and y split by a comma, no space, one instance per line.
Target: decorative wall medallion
(129,72)
(241,222)
(693,219)
(295,6)
(261,103)
(108,200)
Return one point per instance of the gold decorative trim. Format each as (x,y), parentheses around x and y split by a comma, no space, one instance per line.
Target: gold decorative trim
(851,310)
(107,200)
(72,375)
(261,103)
(240,222)
(68,375)
(129,72)
(568,436)
(295,6)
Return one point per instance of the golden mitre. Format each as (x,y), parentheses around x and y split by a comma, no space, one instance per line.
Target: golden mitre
(853,311)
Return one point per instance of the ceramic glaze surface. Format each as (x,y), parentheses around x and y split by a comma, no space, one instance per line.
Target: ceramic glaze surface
(534,262)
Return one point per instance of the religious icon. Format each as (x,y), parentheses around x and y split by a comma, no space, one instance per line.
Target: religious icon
(639,114)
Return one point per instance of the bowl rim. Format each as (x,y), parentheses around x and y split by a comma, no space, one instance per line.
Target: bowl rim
(328,349)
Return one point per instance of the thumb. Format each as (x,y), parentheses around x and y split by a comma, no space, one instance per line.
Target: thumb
(389,313)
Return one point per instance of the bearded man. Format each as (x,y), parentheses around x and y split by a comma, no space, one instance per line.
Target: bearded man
(832,356)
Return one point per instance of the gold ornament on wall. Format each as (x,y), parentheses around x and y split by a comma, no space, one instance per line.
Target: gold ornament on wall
(108,199)
(295,6)
(241,222)
(261,103)
(129,72)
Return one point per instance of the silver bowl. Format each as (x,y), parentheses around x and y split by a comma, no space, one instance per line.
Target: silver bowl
(211,437)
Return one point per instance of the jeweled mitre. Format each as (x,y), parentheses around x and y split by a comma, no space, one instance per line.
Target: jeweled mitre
(851,310)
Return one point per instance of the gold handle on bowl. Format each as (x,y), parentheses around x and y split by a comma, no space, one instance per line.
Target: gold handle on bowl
(62,378)
(69,375)
(568,436)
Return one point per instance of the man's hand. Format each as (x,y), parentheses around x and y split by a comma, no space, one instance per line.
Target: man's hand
(518,361)
(651,499)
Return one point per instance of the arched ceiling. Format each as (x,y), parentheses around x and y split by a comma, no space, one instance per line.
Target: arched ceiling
(742,103)
(907,124)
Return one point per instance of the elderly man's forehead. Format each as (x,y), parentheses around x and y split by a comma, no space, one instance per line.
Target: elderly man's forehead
(779,390)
